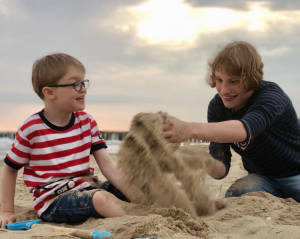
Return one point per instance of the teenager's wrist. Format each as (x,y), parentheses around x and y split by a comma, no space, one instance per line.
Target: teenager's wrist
(192,131)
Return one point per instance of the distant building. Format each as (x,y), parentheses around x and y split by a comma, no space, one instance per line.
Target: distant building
(111,135)
(107,135)
(10,135)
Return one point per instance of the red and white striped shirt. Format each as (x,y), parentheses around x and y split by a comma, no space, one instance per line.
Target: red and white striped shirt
(55,159)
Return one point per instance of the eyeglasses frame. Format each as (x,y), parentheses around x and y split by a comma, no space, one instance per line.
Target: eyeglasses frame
(73,84)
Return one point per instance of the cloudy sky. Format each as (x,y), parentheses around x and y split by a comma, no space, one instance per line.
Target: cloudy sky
(141,55)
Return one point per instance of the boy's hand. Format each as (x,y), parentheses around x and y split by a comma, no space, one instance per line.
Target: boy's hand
(175,130)
(8,217)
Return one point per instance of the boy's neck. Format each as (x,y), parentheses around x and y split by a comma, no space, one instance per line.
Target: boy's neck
(60,119)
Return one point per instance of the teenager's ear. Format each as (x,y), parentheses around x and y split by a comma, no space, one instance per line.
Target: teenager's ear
(48,92)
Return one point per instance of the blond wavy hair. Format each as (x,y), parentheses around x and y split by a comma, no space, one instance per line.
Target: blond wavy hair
(238,59)
(49,69)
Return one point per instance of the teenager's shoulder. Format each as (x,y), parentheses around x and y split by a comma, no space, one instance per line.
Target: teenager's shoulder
(269,89)
(269,85)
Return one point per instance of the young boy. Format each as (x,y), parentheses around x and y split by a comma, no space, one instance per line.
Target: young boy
(252,116)
(54,146)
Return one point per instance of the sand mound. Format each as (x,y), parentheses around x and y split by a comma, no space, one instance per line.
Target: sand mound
(255,215)
(168,175)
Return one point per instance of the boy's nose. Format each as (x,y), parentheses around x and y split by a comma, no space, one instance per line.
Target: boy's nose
(83,89)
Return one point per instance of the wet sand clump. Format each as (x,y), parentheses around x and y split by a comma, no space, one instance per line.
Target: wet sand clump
(168,175)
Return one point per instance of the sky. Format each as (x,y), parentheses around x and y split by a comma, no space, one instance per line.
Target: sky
(142,55)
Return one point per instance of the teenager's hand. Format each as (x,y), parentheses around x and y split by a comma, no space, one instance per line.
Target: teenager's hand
(175,130)
(7,218)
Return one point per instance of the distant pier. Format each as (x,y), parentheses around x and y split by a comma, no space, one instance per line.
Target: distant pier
(111,135)
(10,135)
(107,135)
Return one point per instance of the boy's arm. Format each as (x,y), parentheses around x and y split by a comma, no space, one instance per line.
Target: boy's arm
(8,187)
(108,167)
(112,172)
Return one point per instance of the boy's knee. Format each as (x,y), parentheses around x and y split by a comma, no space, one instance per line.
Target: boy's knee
(100,198)
(107,205)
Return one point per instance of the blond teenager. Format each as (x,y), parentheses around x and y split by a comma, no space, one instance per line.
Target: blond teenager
(253,117)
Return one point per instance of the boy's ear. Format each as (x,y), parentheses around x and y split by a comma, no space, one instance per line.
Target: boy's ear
(48,92)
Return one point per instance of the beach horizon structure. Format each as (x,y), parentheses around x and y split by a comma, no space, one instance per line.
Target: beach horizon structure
(107,135)
(7,134)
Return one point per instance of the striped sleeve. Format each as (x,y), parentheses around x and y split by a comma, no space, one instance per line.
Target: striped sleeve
(97,140)
(19,154)
(219,151)
(266,108)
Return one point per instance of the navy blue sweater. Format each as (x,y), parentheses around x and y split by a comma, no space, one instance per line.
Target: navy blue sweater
(272,147)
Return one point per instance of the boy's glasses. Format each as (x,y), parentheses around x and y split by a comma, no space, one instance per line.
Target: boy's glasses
(77,85)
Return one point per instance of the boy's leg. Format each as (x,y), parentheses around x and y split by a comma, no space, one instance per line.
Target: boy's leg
(107,205)
(254,183)
(79,205)
(74,206)
(291,187)
(109,187)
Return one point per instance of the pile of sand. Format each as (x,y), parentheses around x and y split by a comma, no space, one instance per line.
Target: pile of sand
(168,175)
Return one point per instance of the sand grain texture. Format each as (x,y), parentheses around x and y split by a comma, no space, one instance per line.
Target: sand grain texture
(168,175)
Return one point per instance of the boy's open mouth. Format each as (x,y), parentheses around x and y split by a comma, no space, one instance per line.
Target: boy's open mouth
(80,98)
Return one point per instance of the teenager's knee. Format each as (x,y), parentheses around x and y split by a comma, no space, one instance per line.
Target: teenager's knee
(245,185)
(234,191)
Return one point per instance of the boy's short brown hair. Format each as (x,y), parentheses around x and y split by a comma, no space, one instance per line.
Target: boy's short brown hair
(238,59)
(49,69)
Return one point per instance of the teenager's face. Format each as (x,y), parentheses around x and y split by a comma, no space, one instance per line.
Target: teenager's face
(232,93)
(68,98)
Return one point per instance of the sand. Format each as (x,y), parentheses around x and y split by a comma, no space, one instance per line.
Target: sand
(168,175)
(254,215)
(244,217)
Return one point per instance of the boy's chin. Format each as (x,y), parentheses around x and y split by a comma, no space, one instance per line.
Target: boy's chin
(80,108)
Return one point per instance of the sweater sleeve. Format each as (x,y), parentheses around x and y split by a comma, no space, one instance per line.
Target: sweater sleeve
(219,151)
(267,106)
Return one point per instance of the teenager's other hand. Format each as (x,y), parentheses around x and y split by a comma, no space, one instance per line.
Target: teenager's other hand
(7,218)
(175,130)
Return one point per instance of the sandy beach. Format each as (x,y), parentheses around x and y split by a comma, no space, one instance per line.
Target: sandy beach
(256,215)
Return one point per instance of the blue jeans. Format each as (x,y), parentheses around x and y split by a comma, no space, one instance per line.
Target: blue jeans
(288,187)
(77,206)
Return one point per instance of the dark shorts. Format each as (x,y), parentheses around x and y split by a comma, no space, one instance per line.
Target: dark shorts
(77,206)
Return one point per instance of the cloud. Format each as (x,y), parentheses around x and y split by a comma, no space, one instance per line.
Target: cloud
(275,51)
(129,73)
(3,8)
(154,23)
(277,5)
